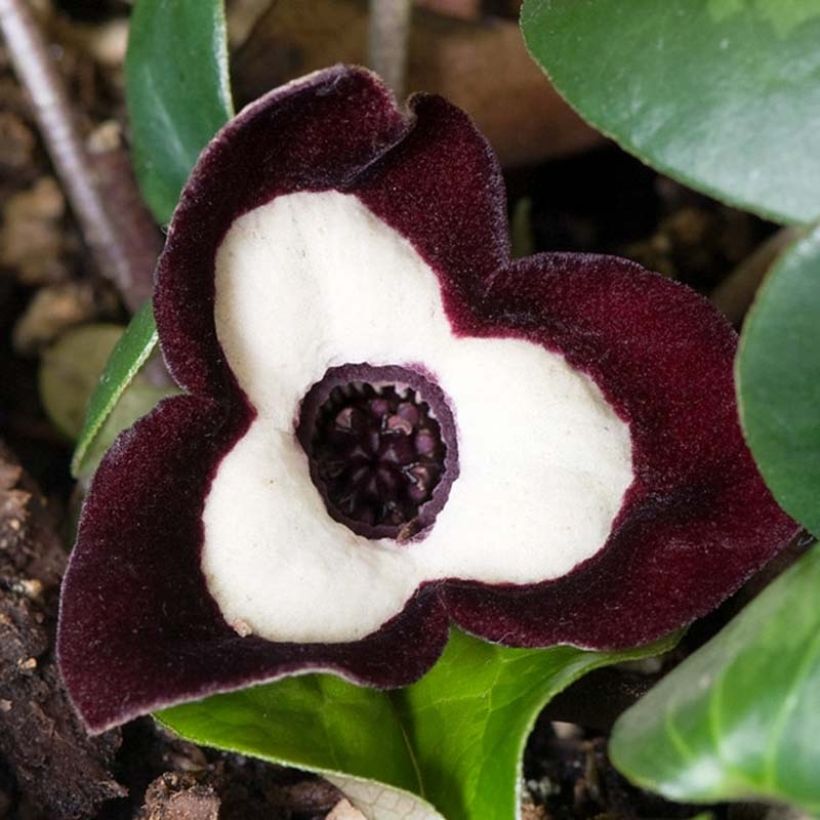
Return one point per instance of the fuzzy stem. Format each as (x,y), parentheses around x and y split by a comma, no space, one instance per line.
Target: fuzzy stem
(388,38)
(122,240)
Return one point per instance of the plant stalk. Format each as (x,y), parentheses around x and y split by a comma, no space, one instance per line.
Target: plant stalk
(117,230)
(388,41)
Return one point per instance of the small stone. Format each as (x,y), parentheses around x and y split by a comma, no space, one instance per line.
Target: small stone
(409,412)
(16,143)
(104,138)
(566,731)
(32,239)
(379,407)
(425,443)
(174,796)
(345,419)
(32,588)
(53,310)
(530,811)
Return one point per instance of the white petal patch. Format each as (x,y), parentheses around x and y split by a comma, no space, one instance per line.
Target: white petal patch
(378,801)
(315,280)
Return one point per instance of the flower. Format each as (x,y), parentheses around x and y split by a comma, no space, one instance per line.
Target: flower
(390,427)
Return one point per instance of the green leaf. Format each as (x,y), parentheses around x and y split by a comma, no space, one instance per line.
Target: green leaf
(138,398)
(70,370)
(723,95)
(740,718)
(455,738)
(177,90)
(778,370)
(128,356)
(178,95)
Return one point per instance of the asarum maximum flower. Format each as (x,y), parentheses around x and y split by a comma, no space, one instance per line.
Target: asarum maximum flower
(390,426)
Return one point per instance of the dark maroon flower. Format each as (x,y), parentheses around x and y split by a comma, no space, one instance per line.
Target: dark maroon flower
(389,426)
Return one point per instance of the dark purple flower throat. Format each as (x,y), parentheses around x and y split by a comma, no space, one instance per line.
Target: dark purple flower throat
(382,448)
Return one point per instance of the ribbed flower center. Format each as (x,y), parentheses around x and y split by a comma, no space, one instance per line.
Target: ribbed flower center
(376,451)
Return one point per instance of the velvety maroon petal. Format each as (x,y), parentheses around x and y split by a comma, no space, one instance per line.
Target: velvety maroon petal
(698,520)
(311,135)
(428,174)
(442,188)
(139,630)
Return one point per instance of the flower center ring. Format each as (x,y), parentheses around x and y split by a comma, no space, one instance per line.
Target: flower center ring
(382,448)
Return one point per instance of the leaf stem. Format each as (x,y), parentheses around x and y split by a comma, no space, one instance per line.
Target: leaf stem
(388,39)
(119,233)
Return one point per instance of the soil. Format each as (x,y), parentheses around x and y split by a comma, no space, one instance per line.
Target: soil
(597,199)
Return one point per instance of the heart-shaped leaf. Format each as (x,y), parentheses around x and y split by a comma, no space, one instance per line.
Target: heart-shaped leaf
(740,718)
(177,90)
(454,739)
(778,371)
(723,95)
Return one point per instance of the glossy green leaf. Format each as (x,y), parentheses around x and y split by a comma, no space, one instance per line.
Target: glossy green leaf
(128,356)
(177,90)
(739,719)
(778,371)
(723,95)
(455,738)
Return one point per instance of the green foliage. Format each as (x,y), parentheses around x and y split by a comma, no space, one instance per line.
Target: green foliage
(741,717)
(178,92)
(778,372)
(723,95)
(69,372)
(455,738)
(128,356)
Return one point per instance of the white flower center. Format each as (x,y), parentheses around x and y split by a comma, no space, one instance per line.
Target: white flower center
(313,281)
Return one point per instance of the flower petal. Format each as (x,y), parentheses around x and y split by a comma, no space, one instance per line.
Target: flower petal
(441,188)
(311,134)
(313,281)
(699,520)
(279,566)
(545,464)
(138,629)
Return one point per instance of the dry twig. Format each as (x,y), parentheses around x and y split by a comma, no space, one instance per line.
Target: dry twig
(388,38)
(116,228)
